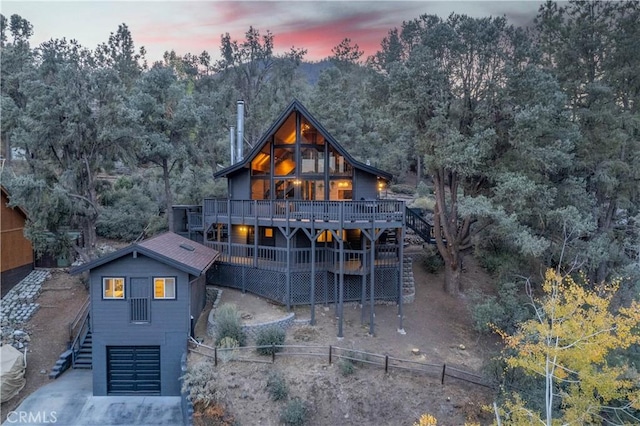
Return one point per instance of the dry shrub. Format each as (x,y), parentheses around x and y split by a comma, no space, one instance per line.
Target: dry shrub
(209,408)
(211,415)
(306,333)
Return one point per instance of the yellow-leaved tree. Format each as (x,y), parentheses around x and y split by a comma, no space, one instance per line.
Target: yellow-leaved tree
(567,343)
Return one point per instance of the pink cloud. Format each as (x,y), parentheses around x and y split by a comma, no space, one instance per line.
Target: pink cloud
(191,27)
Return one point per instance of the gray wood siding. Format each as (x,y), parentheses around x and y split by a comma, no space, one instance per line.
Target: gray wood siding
(169,324)
(198,297)
(238,237)
(165,315)
(240,185)
(365,185)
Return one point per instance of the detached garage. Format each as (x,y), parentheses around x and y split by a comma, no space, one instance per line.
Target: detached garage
(144,300)
(133,369)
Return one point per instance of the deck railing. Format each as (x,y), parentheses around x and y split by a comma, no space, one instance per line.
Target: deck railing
(194,221)
(326,258)
(348,211)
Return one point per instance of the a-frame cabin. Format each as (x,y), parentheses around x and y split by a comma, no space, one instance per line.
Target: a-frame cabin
(303,222)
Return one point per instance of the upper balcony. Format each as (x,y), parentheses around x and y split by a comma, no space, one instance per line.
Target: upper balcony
(307,214)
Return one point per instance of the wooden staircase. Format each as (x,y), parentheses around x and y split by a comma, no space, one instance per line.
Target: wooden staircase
(421,227)
(83,357)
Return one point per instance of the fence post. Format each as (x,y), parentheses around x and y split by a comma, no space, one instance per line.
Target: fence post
(329,354)
(215,357)
(444,367)
(386,363)
(273,353)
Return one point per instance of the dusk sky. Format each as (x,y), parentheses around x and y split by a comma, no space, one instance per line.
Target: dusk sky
(194,26)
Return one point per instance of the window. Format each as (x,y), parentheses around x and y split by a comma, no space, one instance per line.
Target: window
(268,232)
(113,288)
(164,288)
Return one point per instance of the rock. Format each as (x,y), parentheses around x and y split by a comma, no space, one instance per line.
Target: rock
(461,347)
(415,351)
(43,371)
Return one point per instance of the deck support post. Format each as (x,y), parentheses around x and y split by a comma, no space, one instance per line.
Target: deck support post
(288,273)
(364,292)
(313,236)
(372,278)
(256,235)
(401,278)
(341,302)
(313,280)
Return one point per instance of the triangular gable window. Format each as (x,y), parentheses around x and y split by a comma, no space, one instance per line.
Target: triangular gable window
(296,162)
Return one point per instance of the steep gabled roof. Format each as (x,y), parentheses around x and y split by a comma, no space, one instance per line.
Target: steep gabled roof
(168,248)
(295,105)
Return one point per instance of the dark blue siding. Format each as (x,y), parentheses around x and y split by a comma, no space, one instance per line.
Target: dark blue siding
(169,324)
(240,186)
(365,186)
(198,296)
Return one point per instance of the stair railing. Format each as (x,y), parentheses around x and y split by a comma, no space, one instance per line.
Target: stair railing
(420,226)
(82,331)
(77,320)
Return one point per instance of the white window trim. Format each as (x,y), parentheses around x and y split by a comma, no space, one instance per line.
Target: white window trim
(165,279)
(104,288)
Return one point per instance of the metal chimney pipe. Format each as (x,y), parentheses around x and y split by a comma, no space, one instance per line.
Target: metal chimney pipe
(232,135)
(240,138)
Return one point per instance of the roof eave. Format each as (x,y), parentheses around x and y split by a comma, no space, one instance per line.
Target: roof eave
(145,251)
(296,105)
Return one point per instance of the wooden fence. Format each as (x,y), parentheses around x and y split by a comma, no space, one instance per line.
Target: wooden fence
(333,354)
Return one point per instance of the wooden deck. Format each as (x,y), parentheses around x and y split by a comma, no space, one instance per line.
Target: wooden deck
(356,262)
(306,214)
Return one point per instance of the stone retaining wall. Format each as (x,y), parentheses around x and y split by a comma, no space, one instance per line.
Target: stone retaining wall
(18,306)
(251,330)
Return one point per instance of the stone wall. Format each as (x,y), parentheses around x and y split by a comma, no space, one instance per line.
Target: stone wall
(18,306)
(252,330)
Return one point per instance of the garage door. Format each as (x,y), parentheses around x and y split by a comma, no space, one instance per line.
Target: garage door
(133,369)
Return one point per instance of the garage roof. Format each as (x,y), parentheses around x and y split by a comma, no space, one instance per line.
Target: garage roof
(168,248)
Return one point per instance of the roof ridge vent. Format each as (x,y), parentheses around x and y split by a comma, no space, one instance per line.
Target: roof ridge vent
(187,247)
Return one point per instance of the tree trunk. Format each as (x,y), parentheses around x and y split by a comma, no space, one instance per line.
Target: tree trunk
(167,193)
(452,276)
(445,220)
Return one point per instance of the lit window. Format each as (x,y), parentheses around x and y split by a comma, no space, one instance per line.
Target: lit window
(164,288)
(325,237)
(268,232)
(113,288)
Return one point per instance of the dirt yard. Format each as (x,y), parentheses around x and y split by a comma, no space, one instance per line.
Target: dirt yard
(436,324)
(61,298)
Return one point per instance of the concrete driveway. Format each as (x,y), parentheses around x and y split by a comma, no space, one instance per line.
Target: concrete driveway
(68,401)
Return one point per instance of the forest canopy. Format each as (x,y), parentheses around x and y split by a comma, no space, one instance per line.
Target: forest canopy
(527,140)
